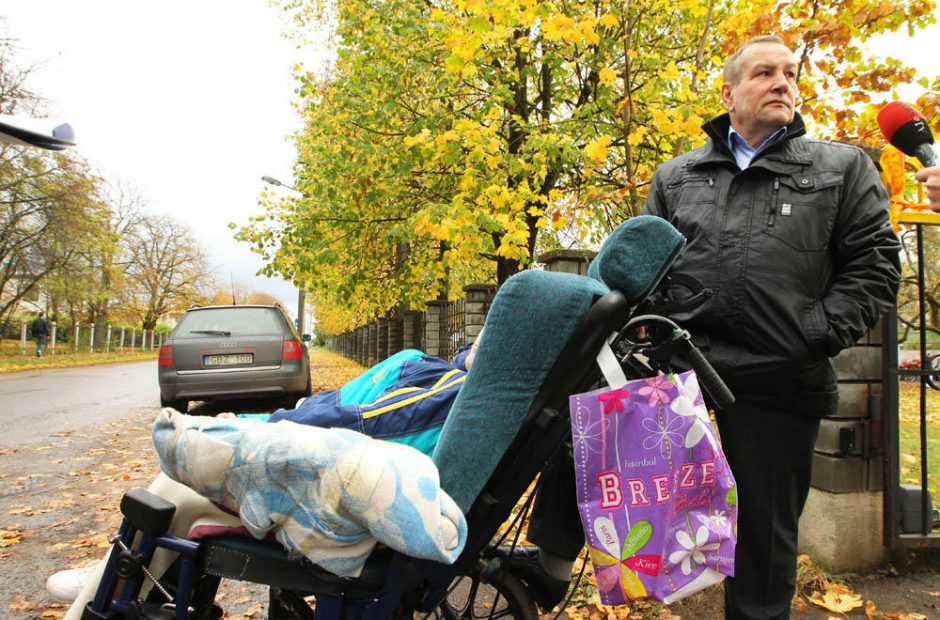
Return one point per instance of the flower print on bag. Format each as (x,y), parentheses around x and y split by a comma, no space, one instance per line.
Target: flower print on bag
(691,551)
(613,400)
(588,435)
(658,390)
(662,434)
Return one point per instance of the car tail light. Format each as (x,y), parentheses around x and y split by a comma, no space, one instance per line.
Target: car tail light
(291,351)
(166,355)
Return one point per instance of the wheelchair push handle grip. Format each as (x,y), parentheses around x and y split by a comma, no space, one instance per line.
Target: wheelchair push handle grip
(708,378)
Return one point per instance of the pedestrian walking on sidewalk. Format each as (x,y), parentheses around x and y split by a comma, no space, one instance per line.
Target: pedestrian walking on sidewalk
(40,332)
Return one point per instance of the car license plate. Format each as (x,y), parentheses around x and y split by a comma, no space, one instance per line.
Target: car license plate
(232,359)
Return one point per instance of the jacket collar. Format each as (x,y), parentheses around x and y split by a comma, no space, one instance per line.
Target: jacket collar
(786,152)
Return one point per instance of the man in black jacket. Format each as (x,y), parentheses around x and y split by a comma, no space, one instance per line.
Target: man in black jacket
(40,332)
(793,237)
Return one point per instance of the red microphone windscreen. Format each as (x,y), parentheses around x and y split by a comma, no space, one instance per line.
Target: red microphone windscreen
(894,115)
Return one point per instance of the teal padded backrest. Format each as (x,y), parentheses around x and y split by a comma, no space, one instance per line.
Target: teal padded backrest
(531,318)
(637,255)
(530,321)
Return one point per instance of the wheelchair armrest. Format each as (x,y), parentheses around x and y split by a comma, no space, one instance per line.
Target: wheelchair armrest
(147,512)
(265,562)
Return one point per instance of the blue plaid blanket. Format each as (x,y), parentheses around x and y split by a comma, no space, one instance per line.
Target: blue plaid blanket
(327,494)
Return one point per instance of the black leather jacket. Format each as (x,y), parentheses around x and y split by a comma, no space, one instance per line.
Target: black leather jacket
(798,250)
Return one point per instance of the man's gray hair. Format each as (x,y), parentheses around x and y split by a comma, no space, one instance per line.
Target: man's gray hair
(733,69)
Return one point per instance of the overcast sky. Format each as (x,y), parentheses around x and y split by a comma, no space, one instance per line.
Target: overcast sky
(188,101)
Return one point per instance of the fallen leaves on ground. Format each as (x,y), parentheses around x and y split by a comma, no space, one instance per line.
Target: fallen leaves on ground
(83,510)
(838,598)
(9,537)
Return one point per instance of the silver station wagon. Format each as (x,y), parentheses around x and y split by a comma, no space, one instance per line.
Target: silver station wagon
(219,352)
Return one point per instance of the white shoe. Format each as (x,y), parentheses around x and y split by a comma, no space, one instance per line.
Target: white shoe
(65,585)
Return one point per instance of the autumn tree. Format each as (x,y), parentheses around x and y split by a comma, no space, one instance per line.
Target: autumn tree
(49,215)
(239,293)
(452,141)
(168,271)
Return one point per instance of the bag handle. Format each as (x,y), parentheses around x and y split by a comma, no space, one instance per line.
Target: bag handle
(610,366)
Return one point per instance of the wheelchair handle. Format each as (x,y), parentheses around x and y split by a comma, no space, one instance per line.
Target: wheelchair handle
(713,384)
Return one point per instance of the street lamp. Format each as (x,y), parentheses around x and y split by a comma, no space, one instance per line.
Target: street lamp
(301,293)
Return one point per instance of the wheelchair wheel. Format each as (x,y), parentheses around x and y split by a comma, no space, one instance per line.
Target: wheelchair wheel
(499,596)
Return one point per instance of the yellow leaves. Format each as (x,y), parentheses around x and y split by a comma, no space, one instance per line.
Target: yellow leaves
(608,21)
(442,140)
(597,150)
(838,598)
(636,136)
(555,27)
(892,162)
(10,537)
(696,8)
(607,76)
(670,72)
(419,138)
(467,183)
(563,28)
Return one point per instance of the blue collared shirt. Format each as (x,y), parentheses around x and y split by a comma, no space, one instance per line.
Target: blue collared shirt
(744,153)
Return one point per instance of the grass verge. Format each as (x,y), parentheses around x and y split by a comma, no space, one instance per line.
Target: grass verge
(12,358)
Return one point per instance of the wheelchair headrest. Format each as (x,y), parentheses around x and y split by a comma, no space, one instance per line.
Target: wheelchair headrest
(637,255)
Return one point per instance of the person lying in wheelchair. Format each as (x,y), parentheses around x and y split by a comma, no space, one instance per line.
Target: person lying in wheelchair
(508,423)
(404,398)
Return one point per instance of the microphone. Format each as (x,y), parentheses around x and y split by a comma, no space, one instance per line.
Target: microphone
(35,132)
(907,130)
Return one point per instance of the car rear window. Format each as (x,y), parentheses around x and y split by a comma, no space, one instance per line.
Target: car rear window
(234,321)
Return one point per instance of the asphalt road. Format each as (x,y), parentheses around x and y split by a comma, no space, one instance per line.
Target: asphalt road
(73,398)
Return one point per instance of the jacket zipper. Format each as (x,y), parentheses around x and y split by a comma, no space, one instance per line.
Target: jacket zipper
(772,216)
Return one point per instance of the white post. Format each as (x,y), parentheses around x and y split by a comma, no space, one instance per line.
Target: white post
(75,343)
(107,340)
(91,339)
(133,337)
(143,340)
(23,338)
(121,346)
(52,346)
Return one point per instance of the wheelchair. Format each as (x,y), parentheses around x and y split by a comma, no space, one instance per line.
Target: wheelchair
(514,402)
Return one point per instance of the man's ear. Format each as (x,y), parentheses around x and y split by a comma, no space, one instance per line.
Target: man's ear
(726,99)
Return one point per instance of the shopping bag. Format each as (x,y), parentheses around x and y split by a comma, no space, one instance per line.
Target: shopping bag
(656,496)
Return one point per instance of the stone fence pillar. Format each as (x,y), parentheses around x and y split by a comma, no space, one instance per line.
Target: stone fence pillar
(361,333)
(381,337)
(412,330)
(372,344)
(435,323)
(478,298)
(567,261)
(395,342)
(842,526)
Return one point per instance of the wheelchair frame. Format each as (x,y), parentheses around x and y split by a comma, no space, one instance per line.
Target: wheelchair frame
(391,585)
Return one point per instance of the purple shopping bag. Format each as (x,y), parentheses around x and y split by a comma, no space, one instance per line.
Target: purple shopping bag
(656,496)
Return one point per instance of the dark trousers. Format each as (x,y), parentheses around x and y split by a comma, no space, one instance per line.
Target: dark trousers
(555,523)
(770,452)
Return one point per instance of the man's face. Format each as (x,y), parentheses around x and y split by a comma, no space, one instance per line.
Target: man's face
(763,98)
